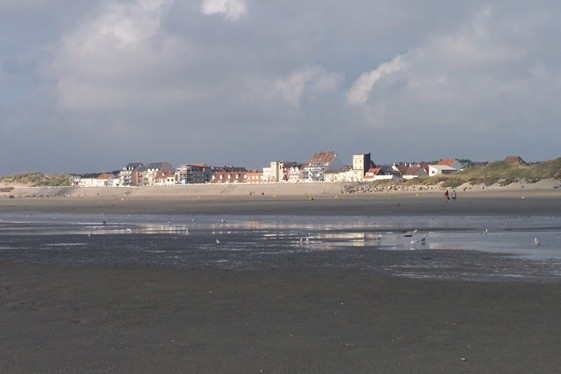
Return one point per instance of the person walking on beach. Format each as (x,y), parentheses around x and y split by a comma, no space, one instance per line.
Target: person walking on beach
(453,194)
(446,195)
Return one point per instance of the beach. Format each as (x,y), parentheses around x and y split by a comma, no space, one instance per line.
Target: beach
(302,199)
(337,310)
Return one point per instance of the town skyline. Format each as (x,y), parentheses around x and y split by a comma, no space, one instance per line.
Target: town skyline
(259,165)
(85,85)
(324,166)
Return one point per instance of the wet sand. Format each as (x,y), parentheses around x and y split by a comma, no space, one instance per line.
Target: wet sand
(135,318)
(91,319)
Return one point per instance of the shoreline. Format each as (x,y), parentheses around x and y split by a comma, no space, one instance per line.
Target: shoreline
(472,202)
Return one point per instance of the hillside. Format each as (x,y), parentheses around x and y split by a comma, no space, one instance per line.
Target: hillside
(35,179)
(501,172)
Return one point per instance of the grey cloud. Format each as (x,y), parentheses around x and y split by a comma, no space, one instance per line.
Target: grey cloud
(93,84)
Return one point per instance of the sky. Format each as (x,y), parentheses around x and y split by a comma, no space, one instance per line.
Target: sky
(91,85)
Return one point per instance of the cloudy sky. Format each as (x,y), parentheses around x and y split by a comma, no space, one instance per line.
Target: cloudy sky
(90,85)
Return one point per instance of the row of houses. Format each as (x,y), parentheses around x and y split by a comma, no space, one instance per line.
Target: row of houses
(324,166)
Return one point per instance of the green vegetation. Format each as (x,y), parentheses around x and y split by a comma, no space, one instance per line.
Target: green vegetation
(36,179)
(506,172)
(502,172)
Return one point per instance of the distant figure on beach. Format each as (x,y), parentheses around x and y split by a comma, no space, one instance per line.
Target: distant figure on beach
(453,194)
(446,195)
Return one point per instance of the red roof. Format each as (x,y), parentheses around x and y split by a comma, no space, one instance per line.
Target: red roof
(374,171)
(323,156)
(413,170)
(446,162)
(105,176)
(402,168)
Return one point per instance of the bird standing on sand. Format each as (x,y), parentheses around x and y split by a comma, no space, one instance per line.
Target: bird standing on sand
(217,241)
(486,231)
(421,241)
(537,241)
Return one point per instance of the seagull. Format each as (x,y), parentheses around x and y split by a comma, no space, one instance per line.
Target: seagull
(186,231)
(128,229)
(89,234)
(486,231)
(537,242)
(301,241)
(223,221)
(408,235)
(217,241)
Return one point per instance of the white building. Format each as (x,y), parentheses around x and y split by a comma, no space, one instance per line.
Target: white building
(440,169)
(361,164)
(320,163)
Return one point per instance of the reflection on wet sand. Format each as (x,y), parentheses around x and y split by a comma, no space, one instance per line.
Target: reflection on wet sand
(243,242)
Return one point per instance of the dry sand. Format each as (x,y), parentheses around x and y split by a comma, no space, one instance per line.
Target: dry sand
(58,318)
(272,199)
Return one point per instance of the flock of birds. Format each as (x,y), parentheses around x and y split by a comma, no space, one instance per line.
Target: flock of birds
(307,240)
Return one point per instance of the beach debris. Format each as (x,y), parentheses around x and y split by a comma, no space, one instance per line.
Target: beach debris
(463,359)
(537,242)
(128,229)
